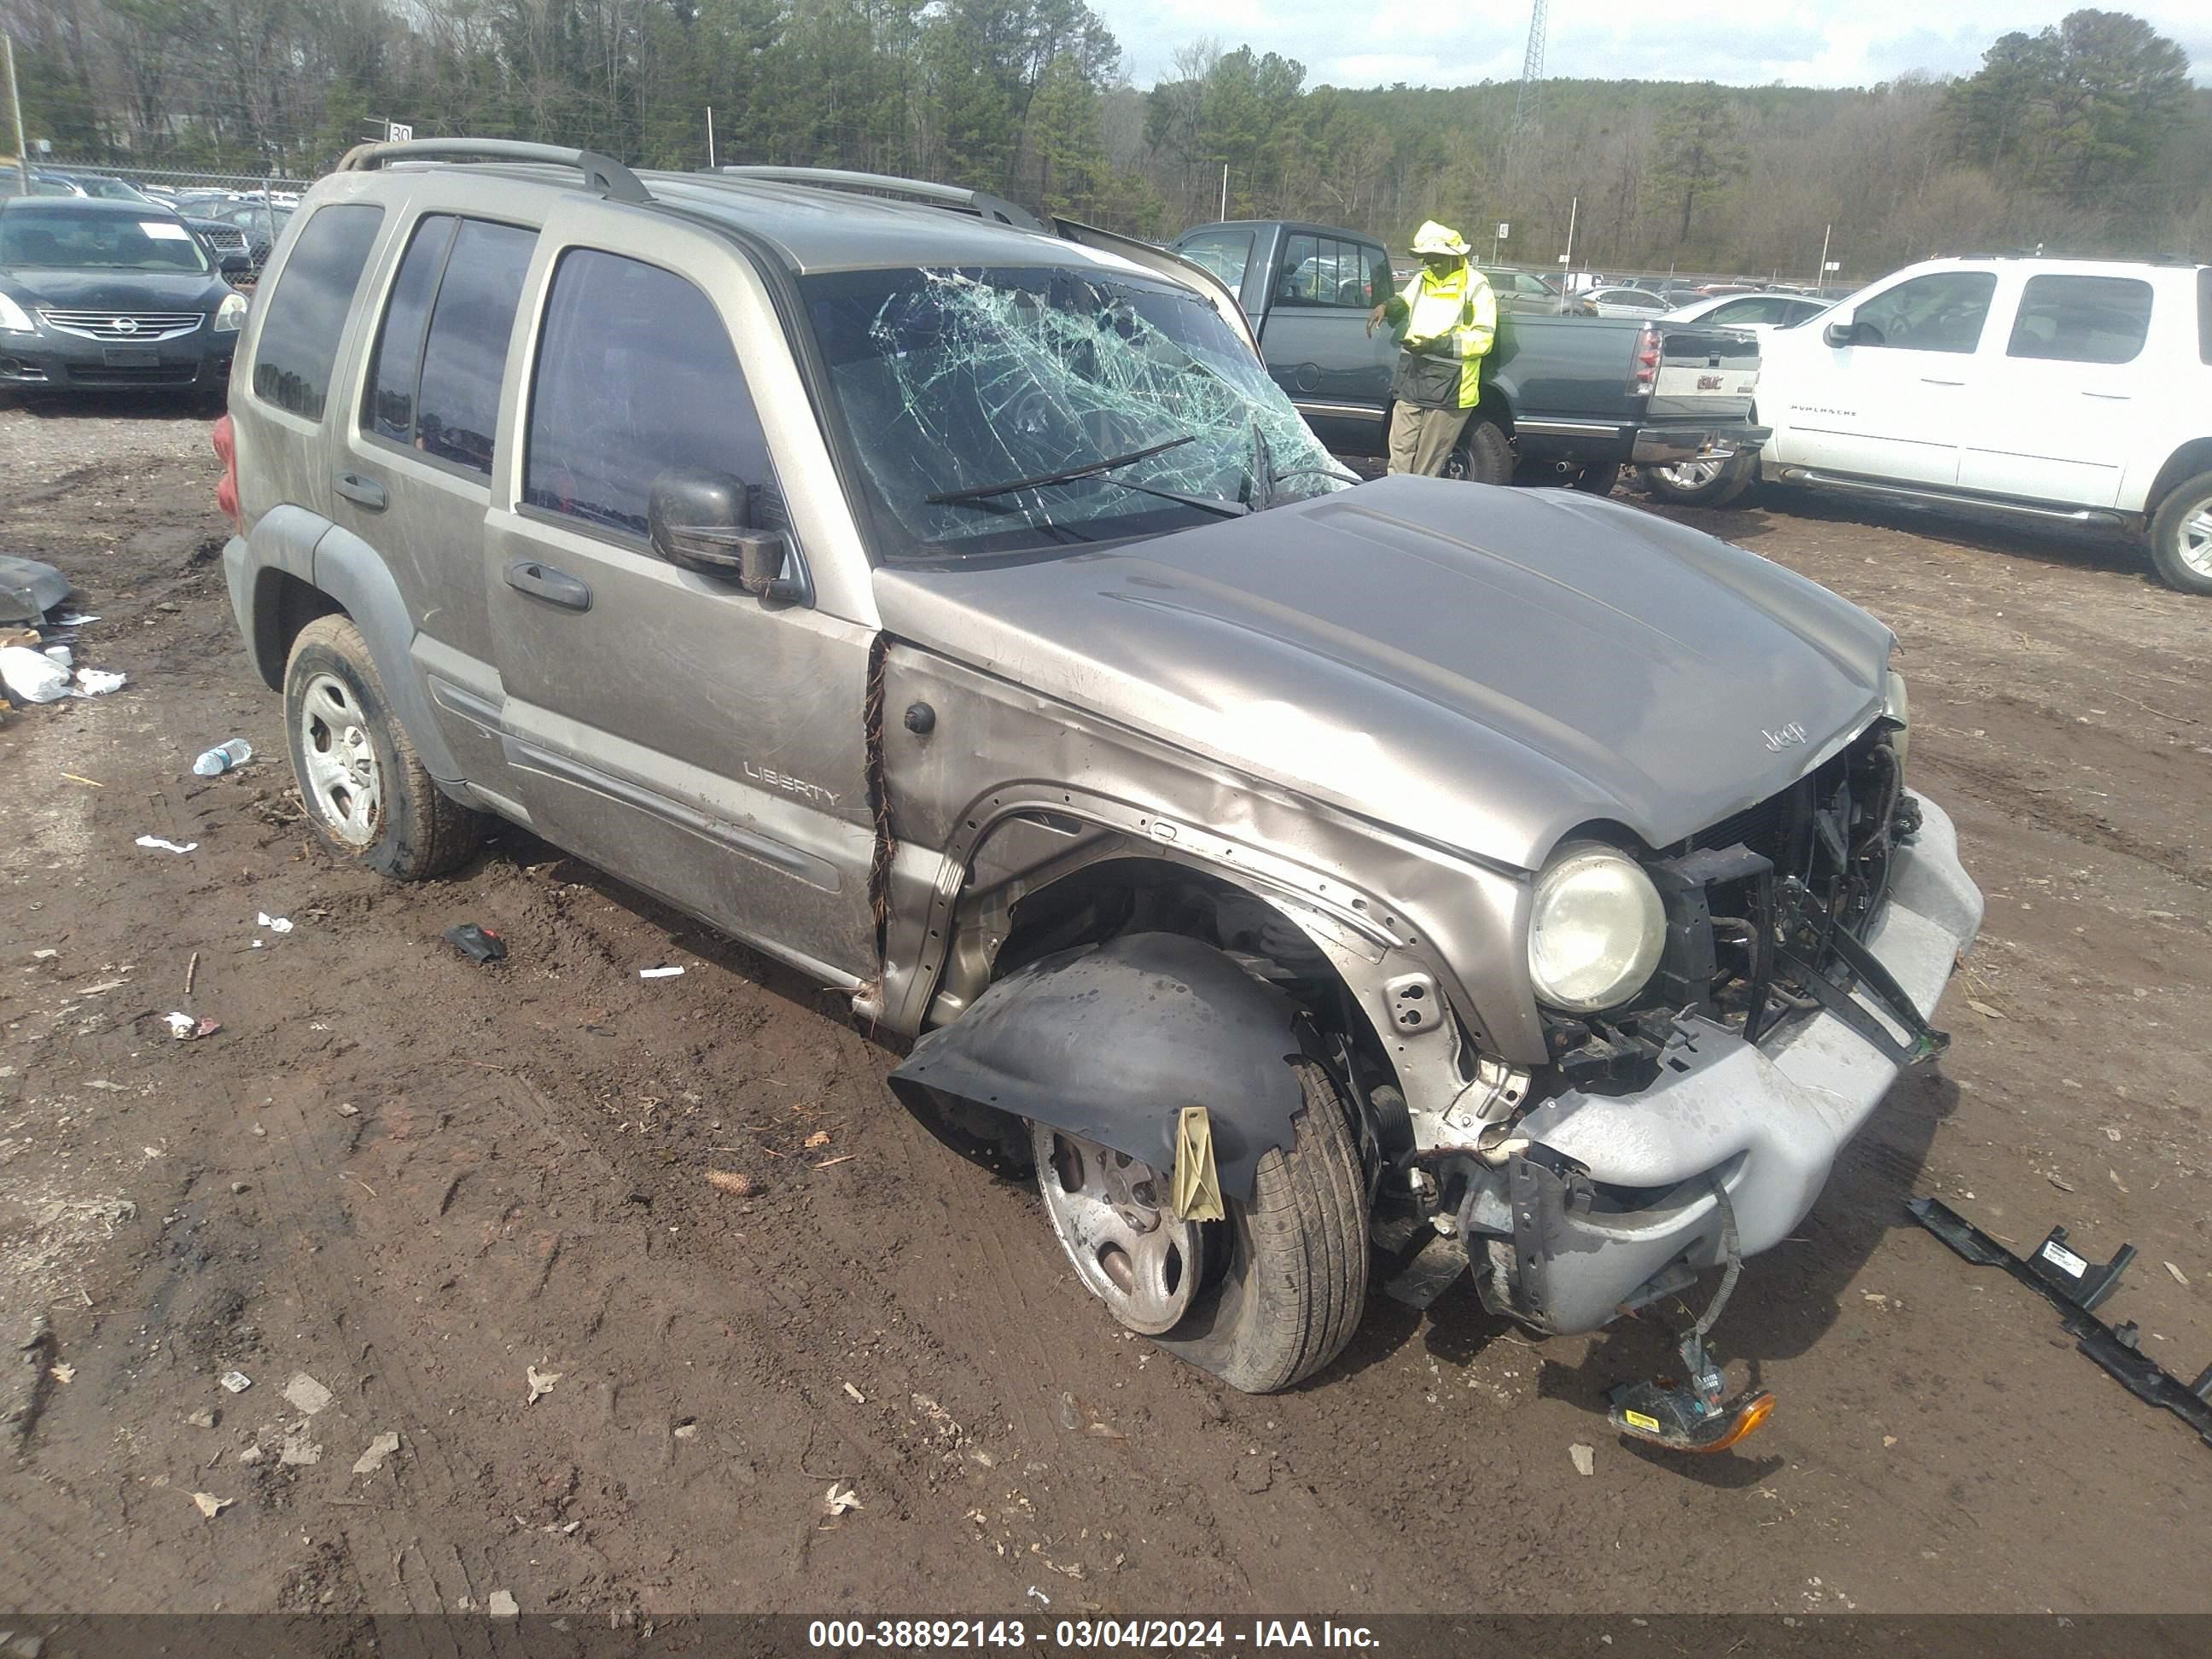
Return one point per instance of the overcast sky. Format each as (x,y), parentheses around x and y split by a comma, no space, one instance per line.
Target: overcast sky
(1821,43)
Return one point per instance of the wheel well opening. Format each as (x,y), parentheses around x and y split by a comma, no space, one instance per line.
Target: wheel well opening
(2185,463)
(282,606)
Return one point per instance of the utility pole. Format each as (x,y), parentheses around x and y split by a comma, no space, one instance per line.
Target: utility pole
(710,137)
(15,107)
(1820,276)
(1225,189)
(1574,212)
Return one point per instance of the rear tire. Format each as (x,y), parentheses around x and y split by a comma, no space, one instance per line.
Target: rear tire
(367,793)
(2181,535)
(1598,478)
(1484,454)
(1699,482)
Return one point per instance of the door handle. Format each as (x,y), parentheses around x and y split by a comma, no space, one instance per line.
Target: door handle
(536,577)
(2110,396)
(364,492)
(1930,380)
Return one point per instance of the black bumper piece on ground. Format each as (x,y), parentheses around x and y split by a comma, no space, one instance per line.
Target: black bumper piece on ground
(2077,1286)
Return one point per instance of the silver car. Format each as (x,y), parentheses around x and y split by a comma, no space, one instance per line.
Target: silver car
(1311,881)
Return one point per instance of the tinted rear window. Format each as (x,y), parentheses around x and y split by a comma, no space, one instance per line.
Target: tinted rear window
(307,313)
(2081,319)
(457,410)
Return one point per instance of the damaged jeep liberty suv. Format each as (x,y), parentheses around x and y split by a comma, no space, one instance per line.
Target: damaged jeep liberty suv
(945,602)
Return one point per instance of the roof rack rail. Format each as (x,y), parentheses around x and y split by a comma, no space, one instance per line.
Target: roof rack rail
(981,203)
(601,173)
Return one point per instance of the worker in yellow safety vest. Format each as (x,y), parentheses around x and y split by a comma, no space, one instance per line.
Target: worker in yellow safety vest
(1445,322)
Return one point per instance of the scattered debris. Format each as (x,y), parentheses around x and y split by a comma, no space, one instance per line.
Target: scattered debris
(1888,1441)
(1040,1595)
(478,944)
(828,1162)
(210,1505)
(62,1374)
(192,972)
(89,783)
(2063,1185)
(2179,1277)
(347,1109)
(44,956)
(735,1182)
(819,1138)
(167,846)
(502,1605)
(541,1383)
(1585,1458)
(185,1029)
(223,758)
(106,1087)
(274,923)
(236,1381)
(98,682)
(379,1449)
(1984,1009)
(205,1418)
(32,676)
(298,1451)
(858,1399)
(2077,1286)
(659,973)
(687,1430)
(29,589)
(841,1498)
(309,1395)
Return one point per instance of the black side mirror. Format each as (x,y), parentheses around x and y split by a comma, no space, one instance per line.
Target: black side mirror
(704,521)
(1841,334)
(234,264)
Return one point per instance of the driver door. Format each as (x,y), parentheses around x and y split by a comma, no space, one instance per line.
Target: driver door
(1890,404)
(699,743)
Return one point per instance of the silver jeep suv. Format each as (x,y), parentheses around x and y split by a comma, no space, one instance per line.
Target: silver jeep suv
(948,604)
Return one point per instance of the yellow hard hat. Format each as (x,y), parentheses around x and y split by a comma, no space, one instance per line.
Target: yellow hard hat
(1433,238)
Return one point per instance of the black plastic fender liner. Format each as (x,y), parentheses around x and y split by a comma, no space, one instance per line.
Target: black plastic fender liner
(1111,1042)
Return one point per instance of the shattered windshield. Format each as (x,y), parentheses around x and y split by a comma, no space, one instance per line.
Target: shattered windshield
(952,381)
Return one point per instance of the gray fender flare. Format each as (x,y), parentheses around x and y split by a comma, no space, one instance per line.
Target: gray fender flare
(1110,1043)
(349,571)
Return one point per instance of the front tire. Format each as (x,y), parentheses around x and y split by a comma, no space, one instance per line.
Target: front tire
(1262,1299)
(1700,482)
(367,793)
(2181,535)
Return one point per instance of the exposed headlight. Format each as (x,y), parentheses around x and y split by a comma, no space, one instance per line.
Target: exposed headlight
(1897,707)
(1595,930)
(230,315)
(14,319)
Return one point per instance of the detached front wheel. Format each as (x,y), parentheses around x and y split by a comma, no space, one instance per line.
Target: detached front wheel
(1263,1298)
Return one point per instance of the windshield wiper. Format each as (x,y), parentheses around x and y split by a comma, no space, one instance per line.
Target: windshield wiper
(1068,475)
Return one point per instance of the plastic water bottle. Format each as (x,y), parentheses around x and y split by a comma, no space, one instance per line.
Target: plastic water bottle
(223,757)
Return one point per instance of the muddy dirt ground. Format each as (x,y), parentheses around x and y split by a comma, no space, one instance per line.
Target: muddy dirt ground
(420,1182)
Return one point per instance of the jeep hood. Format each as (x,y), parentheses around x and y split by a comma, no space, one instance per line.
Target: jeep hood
(1483,668)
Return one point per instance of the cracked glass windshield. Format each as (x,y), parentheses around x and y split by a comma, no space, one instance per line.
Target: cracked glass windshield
(953,383)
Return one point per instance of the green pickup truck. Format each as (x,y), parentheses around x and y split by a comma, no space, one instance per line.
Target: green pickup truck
(1564,399)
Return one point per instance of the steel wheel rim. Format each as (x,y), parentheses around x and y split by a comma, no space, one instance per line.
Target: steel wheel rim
(344,782)
(2196,538)
(1109,1213)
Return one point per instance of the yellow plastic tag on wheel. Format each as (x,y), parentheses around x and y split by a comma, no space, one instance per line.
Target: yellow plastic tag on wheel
(1197,1194)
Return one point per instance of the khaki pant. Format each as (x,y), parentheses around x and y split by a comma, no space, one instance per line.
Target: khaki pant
(1421,439)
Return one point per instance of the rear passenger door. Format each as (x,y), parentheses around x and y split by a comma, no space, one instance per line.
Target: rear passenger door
(414,477)
(2060,413)
(1317,341)
(701,743)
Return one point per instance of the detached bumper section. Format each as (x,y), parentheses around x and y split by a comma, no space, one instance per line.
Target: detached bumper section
(1612,1201)
(1670,446)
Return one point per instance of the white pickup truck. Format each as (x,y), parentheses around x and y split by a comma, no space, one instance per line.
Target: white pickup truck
(2078,390)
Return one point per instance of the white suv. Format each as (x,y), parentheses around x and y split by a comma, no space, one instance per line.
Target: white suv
(2070,389)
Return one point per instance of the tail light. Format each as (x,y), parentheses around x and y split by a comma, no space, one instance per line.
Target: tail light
(226,451)
(1644,378)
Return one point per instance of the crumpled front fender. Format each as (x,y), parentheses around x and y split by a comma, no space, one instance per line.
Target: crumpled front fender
(1110,1043)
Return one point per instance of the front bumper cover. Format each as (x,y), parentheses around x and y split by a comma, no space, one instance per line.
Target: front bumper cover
(1615,1191)
(67,362)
